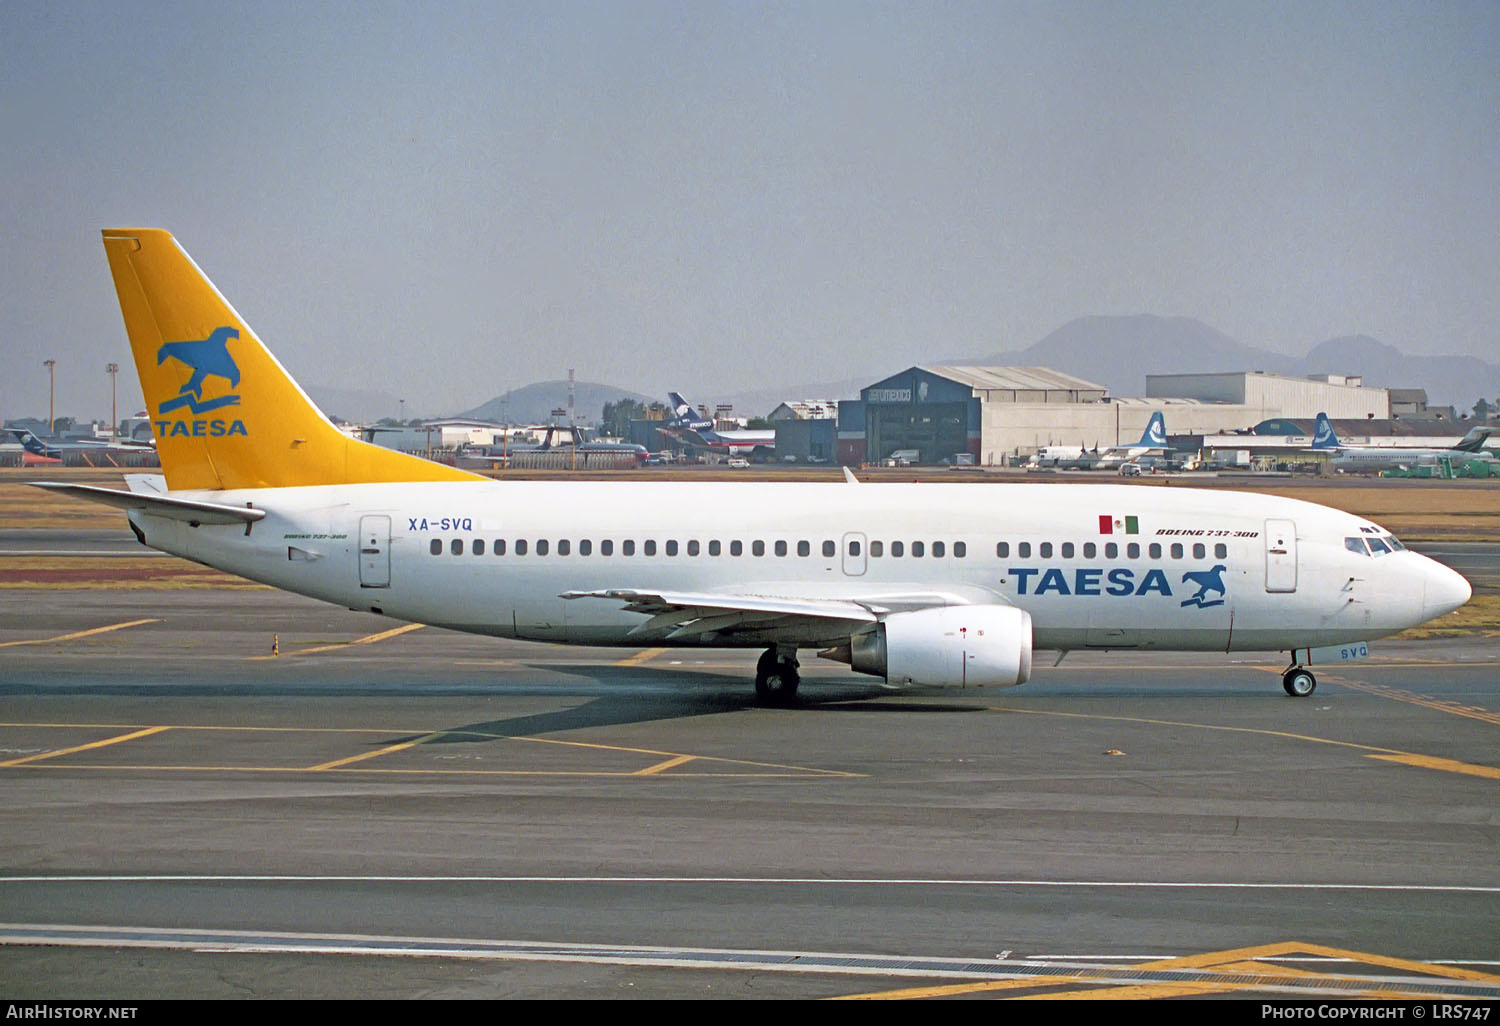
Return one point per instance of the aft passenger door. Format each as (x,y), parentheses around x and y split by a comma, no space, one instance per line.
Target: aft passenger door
(1281,555)
(375,551)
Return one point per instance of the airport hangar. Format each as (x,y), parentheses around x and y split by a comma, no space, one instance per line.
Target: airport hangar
(1001,415)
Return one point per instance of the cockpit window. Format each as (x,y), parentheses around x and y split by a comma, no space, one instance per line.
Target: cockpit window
(1356,545)
(1394,543)
(1378,547)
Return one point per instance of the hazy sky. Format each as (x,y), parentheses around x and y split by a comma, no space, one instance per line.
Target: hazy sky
(445,201)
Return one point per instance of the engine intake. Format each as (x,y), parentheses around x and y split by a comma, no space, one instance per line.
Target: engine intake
(948,646)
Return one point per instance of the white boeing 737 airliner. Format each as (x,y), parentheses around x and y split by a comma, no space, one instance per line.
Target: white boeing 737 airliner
(915,583)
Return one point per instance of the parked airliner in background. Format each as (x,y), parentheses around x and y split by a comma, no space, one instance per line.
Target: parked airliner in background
(1371,459)
(916,583)
(53,450)
(689,429)
(1153,440)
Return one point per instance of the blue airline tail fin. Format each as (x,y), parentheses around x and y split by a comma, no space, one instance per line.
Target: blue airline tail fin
(1323,436)
(29,441)
(684,415)
(1155,436)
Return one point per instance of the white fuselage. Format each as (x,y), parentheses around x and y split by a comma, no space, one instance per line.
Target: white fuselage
(1374,459)
(1248,571)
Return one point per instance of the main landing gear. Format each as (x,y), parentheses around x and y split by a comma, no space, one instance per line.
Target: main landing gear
(1298,681)
(776,677)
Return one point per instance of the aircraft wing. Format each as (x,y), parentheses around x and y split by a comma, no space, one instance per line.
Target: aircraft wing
(676,615)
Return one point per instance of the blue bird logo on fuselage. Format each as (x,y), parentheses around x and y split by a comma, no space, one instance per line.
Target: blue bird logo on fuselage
(208,356)
(1208,582)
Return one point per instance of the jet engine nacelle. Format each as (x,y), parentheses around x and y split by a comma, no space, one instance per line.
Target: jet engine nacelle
(948,646)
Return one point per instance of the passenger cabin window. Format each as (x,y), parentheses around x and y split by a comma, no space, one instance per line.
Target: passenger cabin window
(478,547)
(1199,550)
(757,548)
(853,548)
(804,548)
(1002,549)
(541,546)
(1045,550)
(1221,551)
(1090,550)
(692,547)
(830,549)
(781,548)
(672,547)
(499,546)
(1177,550)
(585,547)
(714,548)
(917,549)
(960,550)
(1067,550)
(456,546)
(877,549)
(520,546)
(1111,550)
(435,546)
(897,549)
(1133,550)
(627,547)
(1155,550)
(563,547)
(648,547)
(606,547)
(937,550)
(1023,549)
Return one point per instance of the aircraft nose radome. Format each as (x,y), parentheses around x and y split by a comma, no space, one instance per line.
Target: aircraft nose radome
(1443,591)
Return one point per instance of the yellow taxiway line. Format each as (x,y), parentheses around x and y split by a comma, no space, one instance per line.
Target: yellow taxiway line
(80,634)
(368,639)
(83,748)
(1373,751)
(1243,969)
(641,657)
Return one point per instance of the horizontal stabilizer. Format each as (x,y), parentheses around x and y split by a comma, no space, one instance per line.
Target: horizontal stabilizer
(189,510)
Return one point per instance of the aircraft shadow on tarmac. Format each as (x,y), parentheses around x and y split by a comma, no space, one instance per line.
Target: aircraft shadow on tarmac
(703,694)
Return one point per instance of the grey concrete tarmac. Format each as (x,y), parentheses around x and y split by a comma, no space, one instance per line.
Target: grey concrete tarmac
(486,807)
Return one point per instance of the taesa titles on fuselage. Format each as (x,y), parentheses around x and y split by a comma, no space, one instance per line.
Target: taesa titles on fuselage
(914,583)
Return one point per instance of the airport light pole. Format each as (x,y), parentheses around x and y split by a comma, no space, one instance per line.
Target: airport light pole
(51,366)
(113,370)
(402,418)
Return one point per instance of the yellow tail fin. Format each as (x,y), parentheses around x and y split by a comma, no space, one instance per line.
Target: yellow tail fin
(225,412)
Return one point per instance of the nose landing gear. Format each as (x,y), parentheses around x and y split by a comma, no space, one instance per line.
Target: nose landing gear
(1298,681)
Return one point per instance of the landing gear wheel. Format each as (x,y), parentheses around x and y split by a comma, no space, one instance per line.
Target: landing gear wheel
(1298,682)
(776,678)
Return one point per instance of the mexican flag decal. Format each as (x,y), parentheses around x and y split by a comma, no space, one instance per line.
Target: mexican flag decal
(1122,525)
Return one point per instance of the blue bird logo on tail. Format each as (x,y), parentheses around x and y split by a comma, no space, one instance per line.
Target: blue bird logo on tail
(208,356)
(1208,582)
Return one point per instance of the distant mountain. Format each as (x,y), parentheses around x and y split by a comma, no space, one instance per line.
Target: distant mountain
(1118,352)
(534,403)
(1459,380)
